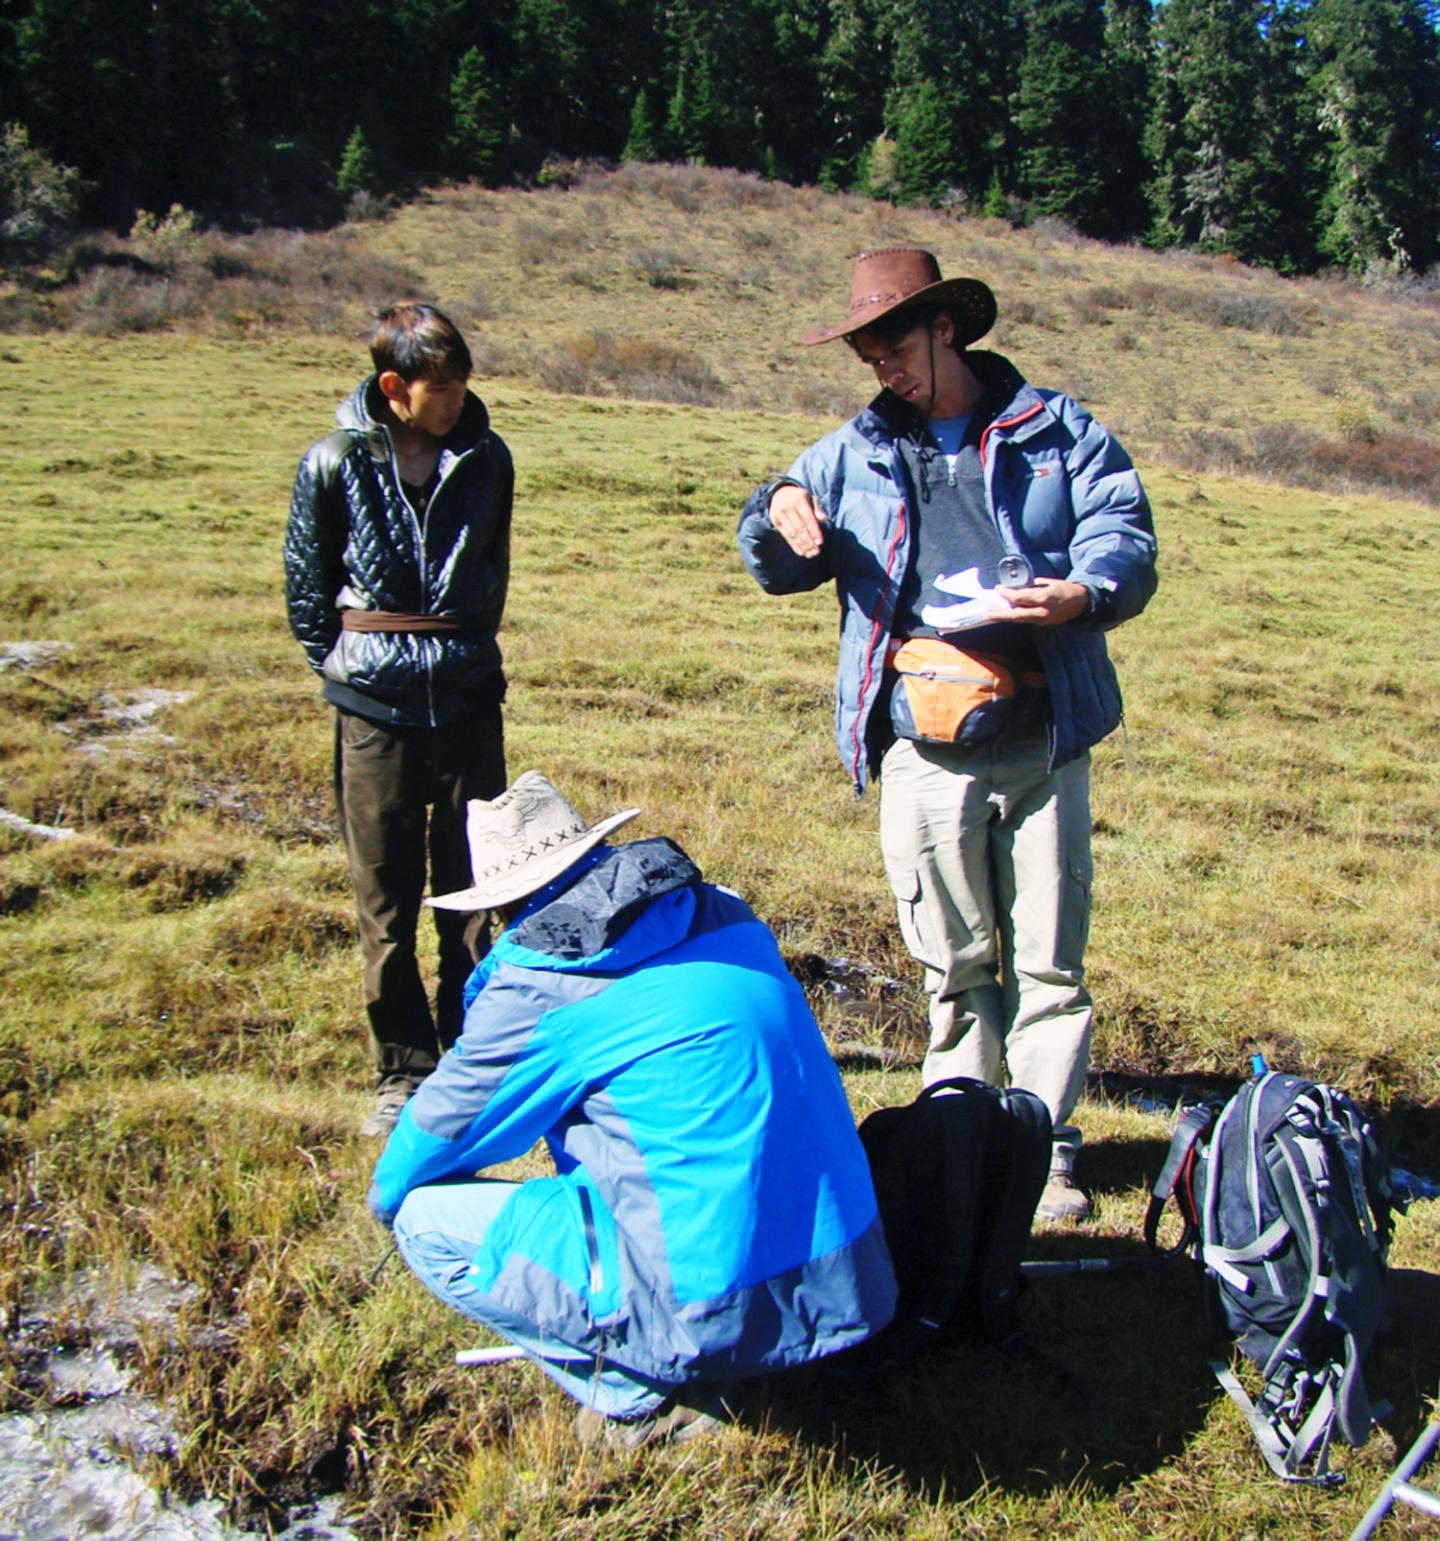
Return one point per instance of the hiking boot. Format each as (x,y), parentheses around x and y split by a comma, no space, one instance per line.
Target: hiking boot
(673,1422)
(1062,1200)
(388,1107)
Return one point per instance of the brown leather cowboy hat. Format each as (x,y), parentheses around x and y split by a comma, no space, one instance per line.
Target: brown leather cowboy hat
(899,276)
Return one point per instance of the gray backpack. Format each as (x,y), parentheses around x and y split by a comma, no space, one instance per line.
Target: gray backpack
(1286,1201)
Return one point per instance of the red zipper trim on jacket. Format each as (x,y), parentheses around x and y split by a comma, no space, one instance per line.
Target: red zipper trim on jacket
(870,653)
(1008,422)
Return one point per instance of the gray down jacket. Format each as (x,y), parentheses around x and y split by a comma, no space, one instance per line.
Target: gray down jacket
(1062,492)
(354,542)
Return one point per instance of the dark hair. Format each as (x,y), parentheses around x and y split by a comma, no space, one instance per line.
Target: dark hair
(416,340)
(889,329)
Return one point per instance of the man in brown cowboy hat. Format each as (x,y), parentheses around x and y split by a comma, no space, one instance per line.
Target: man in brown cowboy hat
(983,535)
(397,558)
(711,1216)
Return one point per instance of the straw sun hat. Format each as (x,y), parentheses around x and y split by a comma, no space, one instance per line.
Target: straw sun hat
(521,840)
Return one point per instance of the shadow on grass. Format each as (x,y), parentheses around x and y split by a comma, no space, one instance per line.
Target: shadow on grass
(1112,1381)
(1411,1128)
(1404,1367)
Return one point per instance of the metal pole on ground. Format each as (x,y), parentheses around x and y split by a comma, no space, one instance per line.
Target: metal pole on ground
(1399,1489)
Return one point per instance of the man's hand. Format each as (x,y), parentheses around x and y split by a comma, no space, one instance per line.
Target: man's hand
(1046,602)
(799,518)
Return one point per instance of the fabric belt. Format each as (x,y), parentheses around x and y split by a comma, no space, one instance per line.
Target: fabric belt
(401,620)
(1026,679)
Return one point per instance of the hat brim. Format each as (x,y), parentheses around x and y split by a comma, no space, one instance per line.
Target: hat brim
(524,879)
(970,301)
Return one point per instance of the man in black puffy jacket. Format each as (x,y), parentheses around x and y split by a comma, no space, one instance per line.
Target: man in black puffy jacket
(397,558)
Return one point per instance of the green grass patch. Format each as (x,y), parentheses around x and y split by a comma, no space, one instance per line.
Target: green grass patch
(181,1047)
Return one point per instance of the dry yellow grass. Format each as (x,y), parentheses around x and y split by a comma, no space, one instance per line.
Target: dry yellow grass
(180,1053)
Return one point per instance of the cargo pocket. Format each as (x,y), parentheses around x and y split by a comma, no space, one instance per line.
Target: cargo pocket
(914,916)
(1074,930)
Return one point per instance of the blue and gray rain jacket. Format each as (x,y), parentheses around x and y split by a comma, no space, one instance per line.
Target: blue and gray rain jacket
(712,1214)
(1062,492)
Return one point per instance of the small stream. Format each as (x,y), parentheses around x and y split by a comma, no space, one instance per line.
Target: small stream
(75,1468)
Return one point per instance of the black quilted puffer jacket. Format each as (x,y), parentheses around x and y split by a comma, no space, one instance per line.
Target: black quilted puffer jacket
(354,542)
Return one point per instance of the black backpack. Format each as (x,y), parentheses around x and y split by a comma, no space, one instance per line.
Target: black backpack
(1285,1199)
(958,1174)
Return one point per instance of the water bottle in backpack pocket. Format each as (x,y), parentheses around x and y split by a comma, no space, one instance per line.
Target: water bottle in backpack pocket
(1285,1199)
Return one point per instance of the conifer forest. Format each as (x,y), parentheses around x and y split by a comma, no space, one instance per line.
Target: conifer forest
(1298,134)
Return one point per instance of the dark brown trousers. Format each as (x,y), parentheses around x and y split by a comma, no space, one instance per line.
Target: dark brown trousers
(401,795)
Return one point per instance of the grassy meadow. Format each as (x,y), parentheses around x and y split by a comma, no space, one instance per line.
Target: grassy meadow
(181,1049)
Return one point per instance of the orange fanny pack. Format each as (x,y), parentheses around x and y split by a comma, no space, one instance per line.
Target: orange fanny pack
(944,695)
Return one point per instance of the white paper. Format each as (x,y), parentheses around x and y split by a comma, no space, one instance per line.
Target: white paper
(978,605)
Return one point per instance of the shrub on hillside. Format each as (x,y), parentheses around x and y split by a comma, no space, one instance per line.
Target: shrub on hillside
(660,267)
(38,197)
(236,282)
(694,189)
(1354,423)
(1390,462)
(1394,464)
(1282,450)
(1253,313)
(1220,305)
(110,301)
(597,363)
(540,243)
(1093,304)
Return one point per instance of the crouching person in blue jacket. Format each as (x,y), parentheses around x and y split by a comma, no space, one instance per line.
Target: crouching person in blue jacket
(711,1216)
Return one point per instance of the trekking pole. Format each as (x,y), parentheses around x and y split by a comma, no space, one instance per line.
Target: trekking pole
(390,1252)
(1054,1269)
(473,1356)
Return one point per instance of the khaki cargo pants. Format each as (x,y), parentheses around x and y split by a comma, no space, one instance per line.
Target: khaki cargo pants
(988,854)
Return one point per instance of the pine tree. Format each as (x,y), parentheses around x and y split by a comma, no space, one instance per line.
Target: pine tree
(1129,58)
(1063,117)
(682,133)
(928,159)
(480,130)
(575,65)
(851,74)
(715,109)
(997,200)
(968,51)
(790,97)
(87,71)
(358,172)
(1378,91)
(643,143)
(1204,126)
(1278,224)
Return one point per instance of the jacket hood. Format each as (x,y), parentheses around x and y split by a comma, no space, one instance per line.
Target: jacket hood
(1004,393)
(609,919)
(360,413)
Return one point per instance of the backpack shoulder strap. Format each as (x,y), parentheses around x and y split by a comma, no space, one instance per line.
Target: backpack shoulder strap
(1021,1162)
(1284,1449)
